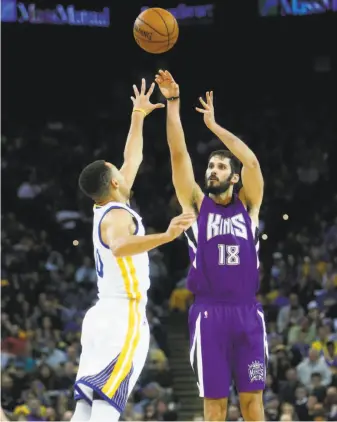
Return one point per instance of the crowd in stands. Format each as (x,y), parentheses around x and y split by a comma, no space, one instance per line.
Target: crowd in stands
(48,273)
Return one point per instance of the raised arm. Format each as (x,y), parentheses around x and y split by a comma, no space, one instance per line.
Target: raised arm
(133,152)
(252,179)
(188,192)
(122,242)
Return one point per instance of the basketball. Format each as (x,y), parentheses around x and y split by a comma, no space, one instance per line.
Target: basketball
(156,30)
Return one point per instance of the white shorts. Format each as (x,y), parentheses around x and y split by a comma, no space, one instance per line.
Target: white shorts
(115,343)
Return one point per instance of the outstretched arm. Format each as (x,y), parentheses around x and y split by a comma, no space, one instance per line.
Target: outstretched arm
(252,179)
(188,192)
(133,152)
(120,239)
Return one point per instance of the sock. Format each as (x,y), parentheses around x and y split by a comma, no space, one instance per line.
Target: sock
(82,411)
(103,411)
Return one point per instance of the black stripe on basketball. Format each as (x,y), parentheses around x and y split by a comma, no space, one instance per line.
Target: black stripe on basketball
(174,27)
(153,29)
(158,50)
(168,34)
(155,42)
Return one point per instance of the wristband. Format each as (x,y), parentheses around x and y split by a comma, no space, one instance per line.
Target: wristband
(140,110)
(173,98)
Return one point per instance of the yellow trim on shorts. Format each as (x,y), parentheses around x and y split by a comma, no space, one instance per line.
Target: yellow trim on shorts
(124,362)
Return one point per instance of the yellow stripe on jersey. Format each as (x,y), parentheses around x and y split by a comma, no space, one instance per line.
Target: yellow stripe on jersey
(135,282)
(125,359)
(126,278)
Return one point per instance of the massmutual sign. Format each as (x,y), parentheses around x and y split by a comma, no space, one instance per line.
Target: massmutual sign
(13,11)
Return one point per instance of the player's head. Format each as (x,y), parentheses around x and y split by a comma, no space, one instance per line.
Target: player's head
(102,181)
(222,172)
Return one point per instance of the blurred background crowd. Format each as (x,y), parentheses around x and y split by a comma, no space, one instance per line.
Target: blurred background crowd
(48,275)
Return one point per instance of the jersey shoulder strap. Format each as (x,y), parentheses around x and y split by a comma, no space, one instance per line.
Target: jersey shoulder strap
(104,210)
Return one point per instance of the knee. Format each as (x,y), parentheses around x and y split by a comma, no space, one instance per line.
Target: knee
(252,407)
(215,409)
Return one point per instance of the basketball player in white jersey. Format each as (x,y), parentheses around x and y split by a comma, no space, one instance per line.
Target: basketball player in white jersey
(115,333)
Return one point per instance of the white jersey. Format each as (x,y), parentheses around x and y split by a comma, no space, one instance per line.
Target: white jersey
(124,278)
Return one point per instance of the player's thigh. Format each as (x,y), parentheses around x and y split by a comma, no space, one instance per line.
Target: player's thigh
(251,351)
(140,355)
(103,337)
(113,360)
(208,355)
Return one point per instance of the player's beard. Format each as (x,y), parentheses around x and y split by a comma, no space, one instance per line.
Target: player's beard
(220,188)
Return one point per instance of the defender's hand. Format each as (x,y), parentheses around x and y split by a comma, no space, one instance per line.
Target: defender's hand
(167,85)
(208,110)
(141,100)
(180,224)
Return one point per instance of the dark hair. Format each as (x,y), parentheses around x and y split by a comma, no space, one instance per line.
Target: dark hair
(224,153)
(94,180)
(316,374)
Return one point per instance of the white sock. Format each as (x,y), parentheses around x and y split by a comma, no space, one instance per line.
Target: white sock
(82,411)
(103,411)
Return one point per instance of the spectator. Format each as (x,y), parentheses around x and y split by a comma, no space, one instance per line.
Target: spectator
(48,274)
(290,314)
(314,364)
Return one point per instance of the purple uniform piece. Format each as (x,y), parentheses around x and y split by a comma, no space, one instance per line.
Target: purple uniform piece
(227,330)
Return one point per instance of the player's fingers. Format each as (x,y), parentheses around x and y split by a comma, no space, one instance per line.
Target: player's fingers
(133,99)
(143,87)
(161,73)
(185,226)
(187,220)
(150,91)
(168,75)
(211,96)
(186,215)
(203,103)
(208,99)
(135,90)
(159,105)
(201,110)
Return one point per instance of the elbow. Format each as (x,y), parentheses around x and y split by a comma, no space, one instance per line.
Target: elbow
(252,164)
(178,155)
(116,249)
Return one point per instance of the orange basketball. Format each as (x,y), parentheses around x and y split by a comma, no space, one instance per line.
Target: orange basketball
(156,30)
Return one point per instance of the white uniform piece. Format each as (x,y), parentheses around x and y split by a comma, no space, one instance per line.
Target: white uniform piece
(115,333)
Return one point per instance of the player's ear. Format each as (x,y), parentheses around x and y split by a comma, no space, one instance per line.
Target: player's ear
(114,183)
(235,178)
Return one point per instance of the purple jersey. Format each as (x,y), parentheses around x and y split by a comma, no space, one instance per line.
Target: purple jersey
(224,253)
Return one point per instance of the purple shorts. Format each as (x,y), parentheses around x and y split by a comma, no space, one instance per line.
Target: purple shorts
(227,342)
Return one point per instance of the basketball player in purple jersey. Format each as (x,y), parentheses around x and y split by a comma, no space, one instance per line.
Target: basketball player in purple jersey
(227,329)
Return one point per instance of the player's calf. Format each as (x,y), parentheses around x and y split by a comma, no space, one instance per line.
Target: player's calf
(215,409)
(251,405)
